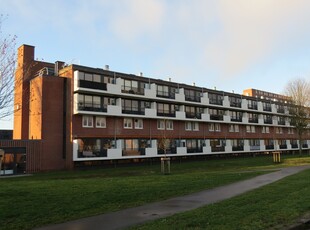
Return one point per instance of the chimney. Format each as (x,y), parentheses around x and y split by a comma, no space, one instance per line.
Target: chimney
(107,67)
(58,66)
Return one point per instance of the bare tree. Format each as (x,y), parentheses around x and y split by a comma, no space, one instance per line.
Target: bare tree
(298,90)
(7,69)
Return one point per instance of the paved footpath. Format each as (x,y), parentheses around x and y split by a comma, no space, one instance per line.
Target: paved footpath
(152,211)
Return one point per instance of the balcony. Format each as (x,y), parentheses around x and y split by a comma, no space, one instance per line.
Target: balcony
(237,148)
(283,146)
(235,104)
(268,121)
(253,120)
(193,115)
(238,119)
(192,98)
(164,94)
(95,153)
(305,145)
(133,90)
(294,146)
(216,102)
(165,114)
(136,112)
(133,152)
(280,110)
(252,107)
(267,108)
(269,146)
(218,148)
(91,107)
(254,147)
(281,122)
(195,150)
(216,117)
(168,151)
(92,85)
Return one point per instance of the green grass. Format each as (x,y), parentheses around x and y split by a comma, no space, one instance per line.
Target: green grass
(275,206)
(47,198)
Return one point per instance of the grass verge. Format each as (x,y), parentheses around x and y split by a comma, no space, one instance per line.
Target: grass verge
(275,206)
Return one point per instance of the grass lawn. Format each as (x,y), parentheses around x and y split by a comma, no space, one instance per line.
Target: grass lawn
(275,206)
(46,198)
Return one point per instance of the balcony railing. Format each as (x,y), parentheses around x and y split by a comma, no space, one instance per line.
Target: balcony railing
(254,147)
(305,145)
(237,148)
(90,107)
(192,98)
(281,122)
(216,102)
(294,146)
(235,104)
(253,119)
(133,90)
(92,85)
(217,148)
(280,110)
(165,114)
(165,94)
(193,115)
(269,146)
(194,150)
(250,106)
(168,151)
(239,119)
(283,146)
(137,112)
(133,152)
(216,117)
(267,108)
(94,153)
(268,121)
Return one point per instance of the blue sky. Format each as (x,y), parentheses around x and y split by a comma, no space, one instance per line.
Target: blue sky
(230,45)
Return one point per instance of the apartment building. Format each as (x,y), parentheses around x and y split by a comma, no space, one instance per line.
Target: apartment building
(89,115)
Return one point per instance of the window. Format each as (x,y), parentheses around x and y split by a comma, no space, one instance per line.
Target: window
(234,128)
(100,122)
(235,102)
(193,112)
(87,121)
(133,106)
(215,127)
(265,129)
(138,123)
(160,124)
(128,123)
(189,126)
(252,104)
(165,109)
(215,99)
(235,116)
(250,129)
(169,125)
(279,130)
(166,91)
(191,95)
(290,130)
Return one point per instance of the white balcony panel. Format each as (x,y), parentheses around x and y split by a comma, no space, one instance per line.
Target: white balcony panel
(205,99)
(181,150)
(150,113)
(226,102)
(114,154)
(150,93)
(205,117)
(180,115)
(151,152)
(114,110)
(114,89)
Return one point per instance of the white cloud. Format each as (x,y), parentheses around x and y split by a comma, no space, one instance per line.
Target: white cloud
(133,19)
